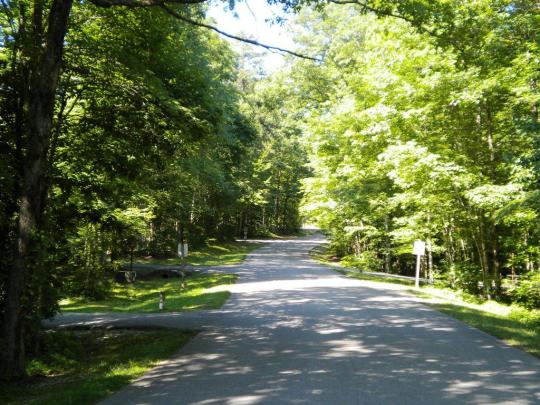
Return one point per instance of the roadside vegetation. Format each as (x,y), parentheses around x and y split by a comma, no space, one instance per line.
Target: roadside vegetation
(143,296)
(514,324)
(127,130)
(84,366)
(428,137)
(156,132)
(213,253)
(181,294)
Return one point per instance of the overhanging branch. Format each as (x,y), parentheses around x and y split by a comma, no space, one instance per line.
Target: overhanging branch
(366,7)
(142,3)
(225,34)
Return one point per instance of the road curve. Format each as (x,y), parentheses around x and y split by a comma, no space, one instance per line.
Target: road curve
(295,332)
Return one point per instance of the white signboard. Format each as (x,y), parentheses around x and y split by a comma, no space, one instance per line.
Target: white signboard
(419,248)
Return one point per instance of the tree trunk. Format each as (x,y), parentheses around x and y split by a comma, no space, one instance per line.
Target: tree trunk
(482,251)
(495,263)
(386,246)
(43,86)
(277,200)
(357,245)
(450,251)
(181,235)
(429,260)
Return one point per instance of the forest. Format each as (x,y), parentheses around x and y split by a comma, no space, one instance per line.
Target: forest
(126,128)
(158,135)
(428,135)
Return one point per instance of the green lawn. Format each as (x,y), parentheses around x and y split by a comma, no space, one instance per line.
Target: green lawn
(85,366)
(143,296)
(213,254)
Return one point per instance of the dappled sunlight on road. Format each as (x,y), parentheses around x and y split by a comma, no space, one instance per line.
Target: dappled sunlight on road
(294,332)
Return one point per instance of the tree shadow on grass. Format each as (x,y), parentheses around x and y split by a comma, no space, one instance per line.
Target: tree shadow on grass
(143,296)
(84,366)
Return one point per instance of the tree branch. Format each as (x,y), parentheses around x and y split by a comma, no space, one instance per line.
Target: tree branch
(225,34)
(142,3)
(377,11)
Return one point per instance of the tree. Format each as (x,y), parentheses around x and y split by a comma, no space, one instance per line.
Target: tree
(33,45)
(411,140)
(34,41)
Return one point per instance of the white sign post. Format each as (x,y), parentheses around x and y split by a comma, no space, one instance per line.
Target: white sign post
(419,249)
(182,250)
(185,252)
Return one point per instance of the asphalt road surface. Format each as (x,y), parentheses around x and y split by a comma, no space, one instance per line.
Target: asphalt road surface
(295,332)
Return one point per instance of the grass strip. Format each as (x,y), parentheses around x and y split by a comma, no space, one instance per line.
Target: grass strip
(515,325)
(213,254)
(379,279)
(143,296)
(84,366)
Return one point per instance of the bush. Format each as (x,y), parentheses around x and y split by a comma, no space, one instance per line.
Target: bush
(463,276)
(527,292)
(89,269)
(528,316)
(367,260)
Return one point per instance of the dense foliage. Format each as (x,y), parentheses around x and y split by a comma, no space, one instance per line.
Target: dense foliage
(153,142)
(125,129)
(430,136)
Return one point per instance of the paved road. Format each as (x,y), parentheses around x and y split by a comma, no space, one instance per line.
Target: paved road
(295,332)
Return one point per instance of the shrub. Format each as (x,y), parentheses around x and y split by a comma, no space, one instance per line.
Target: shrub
(89,268)
(463,276)
(527,292)
(528,316)
(367,260)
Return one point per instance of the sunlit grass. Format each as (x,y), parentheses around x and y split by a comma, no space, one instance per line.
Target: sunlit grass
(85,366)
(380,279)
(213,254)
(143,296)
(515,325)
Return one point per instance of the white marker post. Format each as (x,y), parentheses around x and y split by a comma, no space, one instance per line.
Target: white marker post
(419,249)
(185,250)
(182,250)
(161,300)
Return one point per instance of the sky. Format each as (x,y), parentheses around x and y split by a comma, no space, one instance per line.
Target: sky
(251,23)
